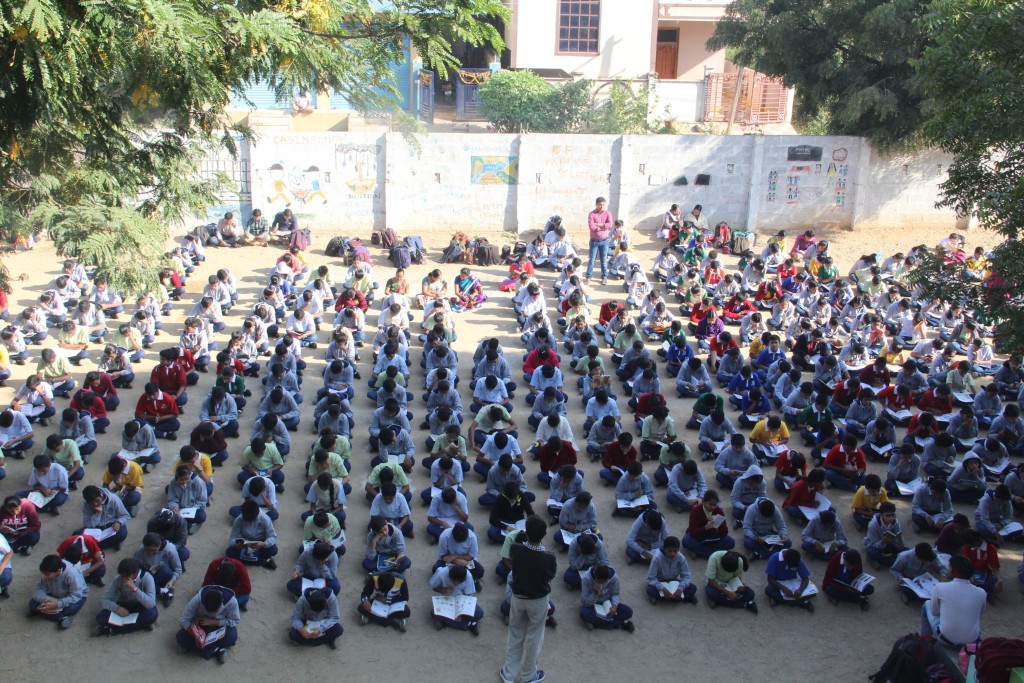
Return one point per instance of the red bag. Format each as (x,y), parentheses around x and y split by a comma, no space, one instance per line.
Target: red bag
(996,656)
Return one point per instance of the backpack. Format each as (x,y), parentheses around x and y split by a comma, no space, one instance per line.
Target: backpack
(996,656)
(905,663)
(723,237)
(388,237)
(486,254)
(401,255)
(336,247)
(359,253)
(300,239)
(452,254)
(375,238)
(418,251)
(743,241)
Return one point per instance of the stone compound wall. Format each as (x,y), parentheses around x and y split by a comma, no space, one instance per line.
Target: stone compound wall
(350,183)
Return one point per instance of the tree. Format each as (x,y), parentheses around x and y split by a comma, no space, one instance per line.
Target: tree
(107,107)
(522,102)
(851,59)
(627,110)
(971,76)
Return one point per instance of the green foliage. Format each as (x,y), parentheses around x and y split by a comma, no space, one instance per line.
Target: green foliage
(627,110)
(106,108)
(850,60)
(971,76)
(522,101)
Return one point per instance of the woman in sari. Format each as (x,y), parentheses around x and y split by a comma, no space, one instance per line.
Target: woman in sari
(469,292)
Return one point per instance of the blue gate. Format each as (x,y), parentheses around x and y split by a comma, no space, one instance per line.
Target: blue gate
(425,86)
(467,93)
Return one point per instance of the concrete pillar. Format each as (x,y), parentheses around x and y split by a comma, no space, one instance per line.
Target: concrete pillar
(859,192)
(757,175)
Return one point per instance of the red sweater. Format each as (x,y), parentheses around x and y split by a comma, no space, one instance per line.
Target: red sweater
(839,457)
(933,403)
(242,585)
(98,408)
(162,404)
(552,462)
(892,400)
(169,378)
(614,456)
(608,312)
(533,360)
(984,558)
(699,520)
(26,521)
(835,571)
(801,494)
(90,553)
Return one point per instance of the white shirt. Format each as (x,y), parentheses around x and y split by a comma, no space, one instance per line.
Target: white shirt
(960,605)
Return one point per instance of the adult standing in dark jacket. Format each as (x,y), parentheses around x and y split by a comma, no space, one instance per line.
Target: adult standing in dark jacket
(533,568)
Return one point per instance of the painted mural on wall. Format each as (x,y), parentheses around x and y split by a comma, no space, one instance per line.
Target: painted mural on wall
(492,170)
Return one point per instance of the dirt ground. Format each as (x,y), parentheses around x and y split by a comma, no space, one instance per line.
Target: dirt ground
(676,640)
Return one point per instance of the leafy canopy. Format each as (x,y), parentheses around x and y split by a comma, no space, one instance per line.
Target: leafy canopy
(107,107)
(522,101)
(850,59)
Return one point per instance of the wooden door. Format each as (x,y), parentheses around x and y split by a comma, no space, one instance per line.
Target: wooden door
(666,63)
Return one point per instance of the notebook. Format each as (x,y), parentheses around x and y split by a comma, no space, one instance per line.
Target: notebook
(453,607)
(384,610)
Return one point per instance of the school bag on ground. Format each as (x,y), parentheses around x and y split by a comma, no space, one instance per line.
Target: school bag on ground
(388,237)
(452,253)
(723,237)
(743,241)
(906,662)
(336,247)
(300,239)
(996,657)
(485,253)
(417,252)
(401,255)
(359,252)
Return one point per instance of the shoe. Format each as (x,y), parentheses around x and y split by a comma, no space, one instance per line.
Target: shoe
(808,605)
(244,606)
(73,486)
(537,677)
(44,422)
(100,582)
(363,619)
(331,644)
(271,564)
(552,622)
(100,630)
(772,602)
(628,626)
(6,595)
(312,345)
(690,599)
(604,281)
(438,625)
(222,656)
(171,436)
(26,551)
(752,606)
(55,511)
(147,468)
(474,628)
(400,624)
(503,677)
(133,511)
(65,623)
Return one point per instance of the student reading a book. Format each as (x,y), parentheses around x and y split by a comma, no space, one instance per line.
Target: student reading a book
(733,461)
(789,467)
(393,507)
(967,482)
(931,506)
(845,580)
(454,581)
(994,516)
(106,513)
(686,486)
(129,602)
(845,465)
(385,548)
(707,530)
(764,530)
(950,540)
(384,601)
(904,467)
(879,438)
(123,478)
(789,580)
(317,564)
(60,592)
(563,488)
(209,625)
(47,485)
(186,492)
(824,536)
(913,563)
(600,606)
(953,614)
(231,574)
(725,586)
(749,487)
(884,539)
(647,534)
(511,508)
(159,557)
(458,546)
(867,499)
(634,493)
(585,551)
(984,558)
(804,493)
(579,515)
(316,619)
(253,539)
(84,552)
(617,458)
(668,577)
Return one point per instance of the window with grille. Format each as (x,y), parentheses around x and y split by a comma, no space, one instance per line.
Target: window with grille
(578,24)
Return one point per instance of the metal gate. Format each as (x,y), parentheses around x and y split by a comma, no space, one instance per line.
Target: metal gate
(425,86)
(467,93)
(762,100)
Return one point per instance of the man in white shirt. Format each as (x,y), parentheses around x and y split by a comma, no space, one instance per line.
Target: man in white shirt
(953,614)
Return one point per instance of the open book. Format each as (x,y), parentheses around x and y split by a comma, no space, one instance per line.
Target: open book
(794,585)
(568,536)
(885,448)
(386,563)
(336,541)
(520,525)
(39,500)
(1011,528)
(635,503)
(396,458)
(312,583)
(899,415)
(100,534)
(733,584)
(773,539)
(909,488)
(859,582)
(602,608)
(117,620)
(134,455)
(204,637)
(999,467)
(670,586)
(315,625)
(452,607)
(963,397)
(922,586)
(552,503)
(823,504)
(717,520)
(188,513)
(384,610)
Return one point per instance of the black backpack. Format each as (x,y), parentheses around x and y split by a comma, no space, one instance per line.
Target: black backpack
(336,247)
(906,663)
(401,255)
